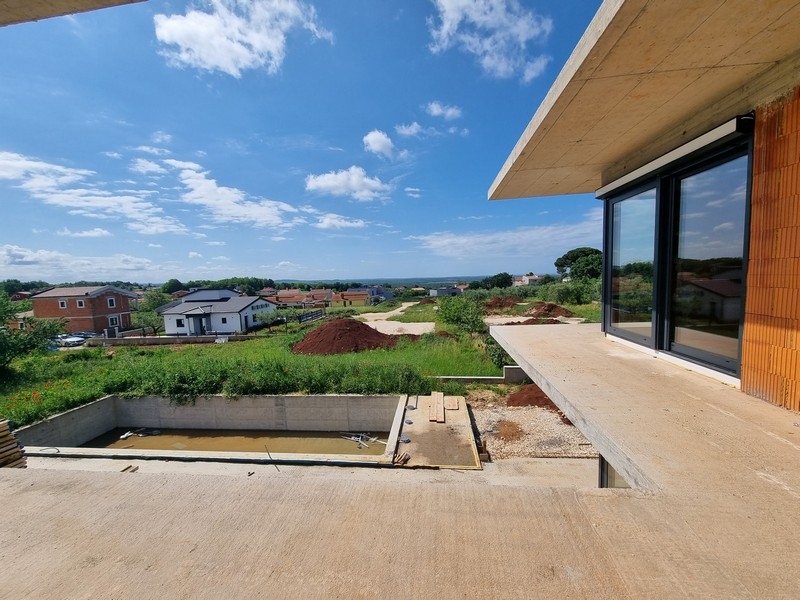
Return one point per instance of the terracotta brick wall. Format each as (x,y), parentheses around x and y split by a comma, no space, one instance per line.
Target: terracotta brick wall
(771,342)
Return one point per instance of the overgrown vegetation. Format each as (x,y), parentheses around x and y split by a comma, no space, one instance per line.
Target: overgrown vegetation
(41,385)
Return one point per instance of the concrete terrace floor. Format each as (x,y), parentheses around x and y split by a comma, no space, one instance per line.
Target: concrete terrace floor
(714,514)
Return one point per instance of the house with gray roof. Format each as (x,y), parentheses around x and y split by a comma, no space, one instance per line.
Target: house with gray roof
(214,312)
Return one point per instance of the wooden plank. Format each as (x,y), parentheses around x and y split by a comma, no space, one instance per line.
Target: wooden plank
(451,402)
(438,398)
(432,408)
(9,452)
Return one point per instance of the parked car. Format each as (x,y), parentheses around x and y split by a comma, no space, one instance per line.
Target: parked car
(86,334)
(66,340)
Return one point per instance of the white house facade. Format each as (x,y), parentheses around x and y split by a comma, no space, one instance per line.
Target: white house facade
(213,317)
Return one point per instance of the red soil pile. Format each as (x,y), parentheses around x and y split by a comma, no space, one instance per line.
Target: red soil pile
(427,301)
(536,321)
(343,335)
(532,395)
(500,302)
(548,310)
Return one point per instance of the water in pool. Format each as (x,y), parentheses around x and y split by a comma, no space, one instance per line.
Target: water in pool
(242,440)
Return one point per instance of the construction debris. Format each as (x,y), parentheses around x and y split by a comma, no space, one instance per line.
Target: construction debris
(12,454)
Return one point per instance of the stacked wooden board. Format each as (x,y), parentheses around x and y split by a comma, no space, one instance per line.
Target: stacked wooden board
(440,402)
(11,455)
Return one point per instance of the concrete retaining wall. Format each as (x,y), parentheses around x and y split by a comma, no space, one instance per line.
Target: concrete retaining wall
(292,413)
(73,427)
(511,374)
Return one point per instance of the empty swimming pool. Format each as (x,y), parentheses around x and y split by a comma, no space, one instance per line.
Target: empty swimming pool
(262,429)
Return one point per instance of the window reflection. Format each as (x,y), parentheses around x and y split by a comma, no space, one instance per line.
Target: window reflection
(633,247)
(707,282)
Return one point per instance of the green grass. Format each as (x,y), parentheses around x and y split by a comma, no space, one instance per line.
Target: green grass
(41,385)
(418,313)
(590,312)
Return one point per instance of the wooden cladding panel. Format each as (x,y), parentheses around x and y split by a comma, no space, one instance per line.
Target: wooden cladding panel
(770,352)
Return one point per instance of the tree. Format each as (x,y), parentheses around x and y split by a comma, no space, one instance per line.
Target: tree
(587,267)
(148,319)
(564,263)
(501,280)
(462,311)
(36,335)
(172,286)
(153,299)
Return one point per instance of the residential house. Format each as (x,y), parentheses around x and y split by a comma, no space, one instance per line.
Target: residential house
(85,308)
(520,280)
(292,298)
(348,298)
(16,296)
(686,126)
(214,312)
(446,291)
(376,292)
(319,298)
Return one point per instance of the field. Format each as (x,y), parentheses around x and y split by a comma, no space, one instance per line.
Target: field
(41,385)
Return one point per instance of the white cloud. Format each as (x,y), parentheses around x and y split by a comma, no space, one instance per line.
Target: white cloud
(17,261)
(145,167)
(235,35)
(195,255)
(216,243)
(161,137)
(377,142)
(116,155)
(72,189)
(154,245)
(229,205)
(496,32)
(154,150)
(414,129)
(727,226)
(334,221)
(437,109)
(413,192)
(89,233)
(351,182)
(534,242)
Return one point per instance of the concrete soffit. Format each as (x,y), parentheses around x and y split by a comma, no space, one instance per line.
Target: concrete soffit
(22,11)
(646,78)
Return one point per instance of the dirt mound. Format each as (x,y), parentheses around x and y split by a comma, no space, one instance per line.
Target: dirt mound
(548,310)
(427,301)
(343,335)
(536,321)
(499,302)
(532,395)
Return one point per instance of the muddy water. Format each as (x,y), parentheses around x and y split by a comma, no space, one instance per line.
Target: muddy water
(304,442)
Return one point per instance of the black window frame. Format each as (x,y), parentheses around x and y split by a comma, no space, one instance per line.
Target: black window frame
(665,181)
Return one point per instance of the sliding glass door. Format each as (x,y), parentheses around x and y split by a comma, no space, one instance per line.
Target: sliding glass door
(633,226)
(676,247)
(706,301)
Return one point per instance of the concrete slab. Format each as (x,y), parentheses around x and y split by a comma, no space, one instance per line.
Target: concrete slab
(718,468)
(445,444)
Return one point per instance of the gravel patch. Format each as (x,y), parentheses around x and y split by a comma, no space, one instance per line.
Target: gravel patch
(530,432)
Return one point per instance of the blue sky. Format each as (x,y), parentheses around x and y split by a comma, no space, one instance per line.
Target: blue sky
(281,139)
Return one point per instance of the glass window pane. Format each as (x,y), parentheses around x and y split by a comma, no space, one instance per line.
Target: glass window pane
(633,248)
(706,304)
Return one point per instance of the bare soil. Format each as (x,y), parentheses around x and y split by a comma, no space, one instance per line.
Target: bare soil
(522,421)
(344,335)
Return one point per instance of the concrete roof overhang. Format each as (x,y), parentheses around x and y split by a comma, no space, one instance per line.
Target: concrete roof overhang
(646,77)
(22,11)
